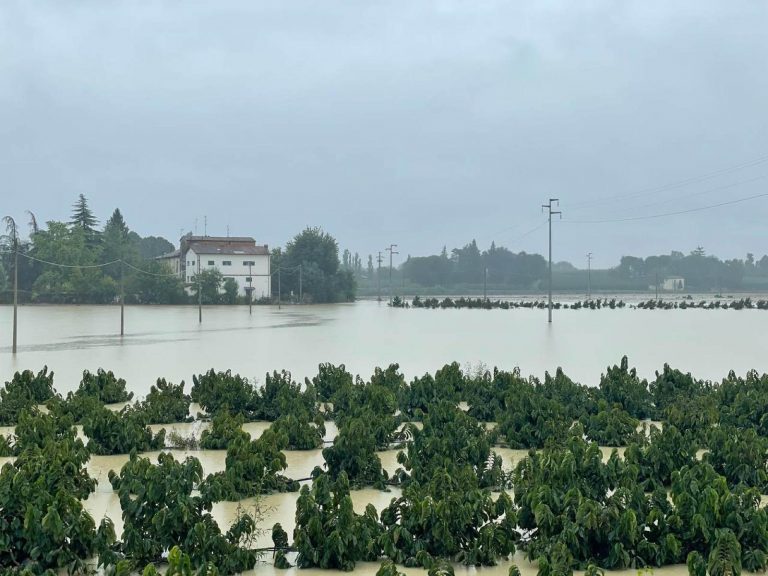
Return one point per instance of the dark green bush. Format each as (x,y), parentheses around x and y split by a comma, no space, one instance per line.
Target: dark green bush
(104,386)
(166,403)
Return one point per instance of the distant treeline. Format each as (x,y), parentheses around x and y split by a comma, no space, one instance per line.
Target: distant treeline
(498,268)
(79,262)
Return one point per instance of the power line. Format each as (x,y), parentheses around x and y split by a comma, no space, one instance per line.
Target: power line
(148,273)
(27,256)
(580,206)
(699,193)
(665,214)
(531,231)
(669,186)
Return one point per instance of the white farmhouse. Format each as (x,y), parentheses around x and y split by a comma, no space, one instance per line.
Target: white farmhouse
(239,258)
(673,284)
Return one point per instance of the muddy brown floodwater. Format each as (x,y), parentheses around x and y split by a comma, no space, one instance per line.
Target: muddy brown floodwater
(169,342)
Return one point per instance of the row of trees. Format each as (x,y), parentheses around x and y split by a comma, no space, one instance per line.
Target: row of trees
(92,264)
(470,268)
(701,271)
(80,262)
(564,505)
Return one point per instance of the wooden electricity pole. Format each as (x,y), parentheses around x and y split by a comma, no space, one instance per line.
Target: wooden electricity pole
(552,202)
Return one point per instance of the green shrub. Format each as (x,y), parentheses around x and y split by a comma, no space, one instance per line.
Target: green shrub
(353,454)
(215,391)
(611,426)
(282,396)
(25,390)
(329,534)
(104,386)
(620,385)
(120,432)
(251,467)
(330,379)
(44,525)
(224,429)
(302,433)
(161,510)
(166,404)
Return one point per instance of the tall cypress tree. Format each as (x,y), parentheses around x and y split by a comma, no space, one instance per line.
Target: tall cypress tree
(117,223)
(83,217)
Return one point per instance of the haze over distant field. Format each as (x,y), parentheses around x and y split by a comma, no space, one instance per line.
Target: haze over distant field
(419,123)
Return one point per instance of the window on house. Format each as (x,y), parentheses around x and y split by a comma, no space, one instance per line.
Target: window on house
(248,279)
(249,263)
(210,262)
(227,263)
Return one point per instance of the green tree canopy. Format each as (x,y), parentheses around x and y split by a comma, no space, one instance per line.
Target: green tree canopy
(82,216)
(322,277)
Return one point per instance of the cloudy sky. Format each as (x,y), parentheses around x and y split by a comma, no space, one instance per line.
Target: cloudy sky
(418,123)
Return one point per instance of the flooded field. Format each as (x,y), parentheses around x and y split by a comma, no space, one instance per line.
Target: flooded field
(169,342)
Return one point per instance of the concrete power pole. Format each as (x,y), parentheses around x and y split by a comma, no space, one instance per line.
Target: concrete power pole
(552,203)
(250,289)
(122,295)
(379,260)
(10,223)
(391,251)
(589,276)
(199,293)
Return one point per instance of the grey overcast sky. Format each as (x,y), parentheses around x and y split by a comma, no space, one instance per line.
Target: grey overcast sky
(418,123)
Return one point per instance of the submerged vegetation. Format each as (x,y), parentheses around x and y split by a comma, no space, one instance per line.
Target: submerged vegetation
(591,304)
(686,488)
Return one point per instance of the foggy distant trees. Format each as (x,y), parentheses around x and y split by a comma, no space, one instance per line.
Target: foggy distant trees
(700,271)
(151,246)
(467,265)
(464,268)
(324,278)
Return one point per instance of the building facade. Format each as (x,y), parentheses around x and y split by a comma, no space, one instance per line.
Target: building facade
(673,284)
(239,258)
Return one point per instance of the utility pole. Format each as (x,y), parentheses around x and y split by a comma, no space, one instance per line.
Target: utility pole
(485,284)
(279,287)
(657,285)
(15,288)
(552,202)
(205,226)
(589,276)
(379,260)
(122,297)
(391,252)
(199,293)
(10,224)
(250,289)
(301,287)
